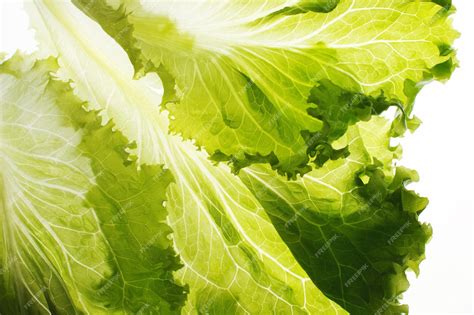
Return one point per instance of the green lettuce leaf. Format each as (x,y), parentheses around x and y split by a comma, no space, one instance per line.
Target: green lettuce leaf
(228,230)
(83,230)
(91,220)
(238,74)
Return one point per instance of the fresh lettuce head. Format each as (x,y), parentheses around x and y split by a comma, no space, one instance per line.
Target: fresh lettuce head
(288,198)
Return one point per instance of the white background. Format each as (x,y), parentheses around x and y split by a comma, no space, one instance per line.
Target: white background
(441,150)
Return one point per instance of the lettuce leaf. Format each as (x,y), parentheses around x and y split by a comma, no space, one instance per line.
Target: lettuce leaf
(337,240)
(239,73)
(75,209)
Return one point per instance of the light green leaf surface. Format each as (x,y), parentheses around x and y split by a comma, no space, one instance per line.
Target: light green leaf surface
(228,230)
(83,231)
(234,259)
(238,73)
